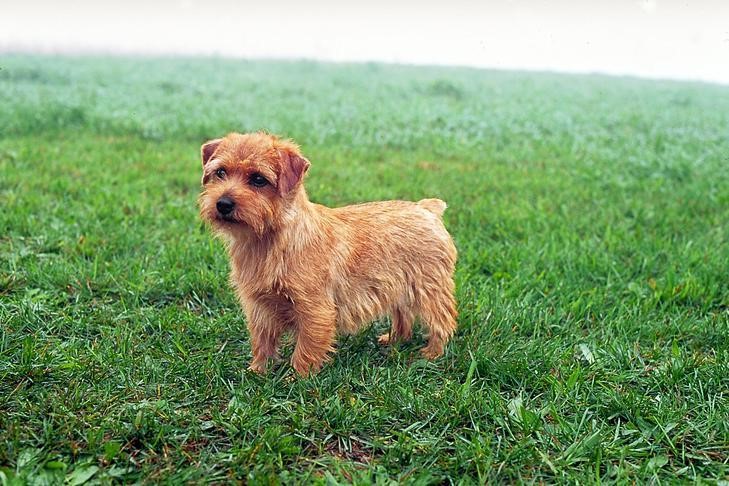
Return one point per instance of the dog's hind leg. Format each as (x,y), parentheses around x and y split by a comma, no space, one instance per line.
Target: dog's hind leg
(437,310)
(401,328)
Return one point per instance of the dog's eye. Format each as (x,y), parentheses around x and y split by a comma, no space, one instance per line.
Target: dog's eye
(220,173)
(257,180)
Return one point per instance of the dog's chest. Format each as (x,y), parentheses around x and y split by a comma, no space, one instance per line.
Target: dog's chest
(260,279)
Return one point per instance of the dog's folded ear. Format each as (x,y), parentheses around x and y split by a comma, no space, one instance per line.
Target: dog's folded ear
(208,149)
(293,168)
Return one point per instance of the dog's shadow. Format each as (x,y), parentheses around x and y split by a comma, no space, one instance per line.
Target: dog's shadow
(362,350)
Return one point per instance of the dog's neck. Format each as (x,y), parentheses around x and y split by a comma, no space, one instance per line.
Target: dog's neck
(260,261)
(300,224)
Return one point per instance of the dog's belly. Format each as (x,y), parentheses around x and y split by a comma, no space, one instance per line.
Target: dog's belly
(351,320)
(361,301)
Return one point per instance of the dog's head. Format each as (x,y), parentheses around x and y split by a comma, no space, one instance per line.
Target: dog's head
(249,180)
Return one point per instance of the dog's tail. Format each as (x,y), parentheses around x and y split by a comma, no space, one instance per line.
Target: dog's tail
(435,206)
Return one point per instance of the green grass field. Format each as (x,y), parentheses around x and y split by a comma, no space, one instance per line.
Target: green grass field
(592,219)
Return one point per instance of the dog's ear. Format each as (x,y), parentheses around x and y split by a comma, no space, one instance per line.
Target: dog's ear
(208,149)
(293,168)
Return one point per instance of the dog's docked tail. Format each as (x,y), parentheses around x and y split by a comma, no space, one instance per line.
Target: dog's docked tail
(435,206)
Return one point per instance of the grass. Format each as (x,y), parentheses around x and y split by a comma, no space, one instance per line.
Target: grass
(591,216)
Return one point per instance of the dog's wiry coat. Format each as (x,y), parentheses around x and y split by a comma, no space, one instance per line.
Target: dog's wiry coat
(316,271)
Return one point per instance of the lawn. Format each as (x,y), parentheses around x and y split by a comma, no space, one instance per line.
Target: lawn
(591,216)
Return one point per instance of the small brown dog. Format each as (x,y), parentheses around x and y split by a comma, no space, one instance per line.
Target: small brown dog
(304,267)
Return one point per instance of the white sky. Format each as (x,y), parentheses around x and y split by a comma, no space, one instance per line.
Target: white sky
(650,38)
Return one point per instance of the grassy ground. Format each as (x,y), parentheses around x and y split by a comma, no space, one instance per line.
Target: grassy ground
(591,215)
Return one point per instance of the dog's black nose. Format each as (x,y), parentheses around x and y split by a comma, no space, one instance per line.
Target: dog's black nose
(225,205)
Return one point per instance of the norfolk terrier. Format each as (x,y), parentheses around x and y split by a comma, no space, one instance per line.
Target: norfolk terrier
(318,271)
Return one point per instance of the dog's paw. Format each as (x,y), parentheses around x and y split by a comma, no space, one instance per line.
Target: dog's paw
(257,367)
(304,368)
(384,339)
(431,353)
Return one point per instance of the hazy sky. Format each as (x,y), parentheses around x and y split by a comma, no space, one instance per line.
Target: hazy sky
(654,38)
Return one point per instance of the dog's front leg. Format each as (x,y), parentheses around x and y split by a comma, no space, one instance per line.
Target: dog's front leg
(315,322)
(265,326)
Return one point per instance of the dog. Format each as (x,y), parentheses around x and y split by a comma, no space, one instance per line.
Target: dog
(318,271)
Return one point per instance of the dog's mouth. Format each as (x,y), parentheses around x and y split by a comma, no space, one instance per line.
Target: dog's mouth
(227,218)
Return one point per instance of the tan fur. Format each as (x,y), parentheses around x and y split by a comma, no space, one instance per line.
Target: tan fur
(317,271)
